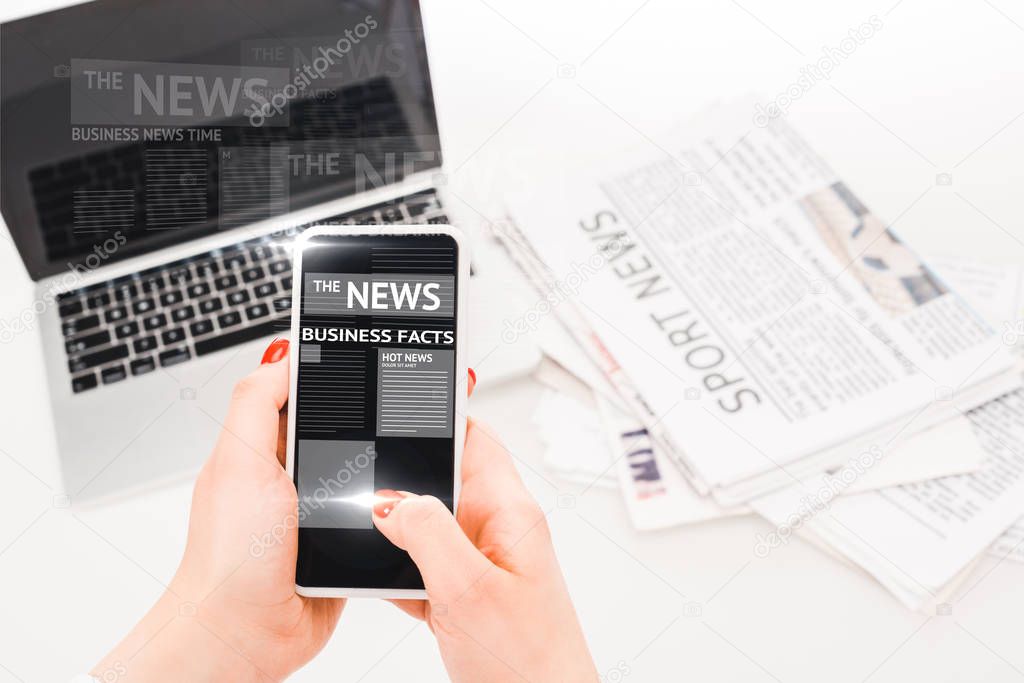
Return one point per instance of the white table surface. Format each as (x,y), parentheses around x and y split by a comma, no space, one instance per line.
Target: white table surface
(937,90)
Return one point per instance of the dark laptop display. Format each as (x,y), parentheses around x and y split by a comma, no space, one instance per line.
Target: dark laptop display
(157,122)
(132,126)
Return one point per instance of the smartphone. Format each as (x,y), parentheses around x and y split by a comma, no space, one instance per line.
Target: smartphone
(378,385)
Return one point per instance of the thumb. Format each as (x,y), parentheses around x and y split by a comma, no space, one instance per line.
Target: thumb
(425,528)
(251,424)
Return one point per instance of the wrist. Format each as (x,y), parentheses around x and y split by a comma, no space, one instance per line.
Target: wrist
(172,643)
(572,665)
(571,661)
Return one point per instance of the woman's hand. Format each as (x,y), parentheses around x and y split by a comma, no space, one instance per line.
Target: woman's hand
(497,603)
(231,611)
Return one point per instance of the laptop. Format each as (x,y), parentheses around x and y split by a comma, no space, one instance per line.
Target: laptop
(158,159)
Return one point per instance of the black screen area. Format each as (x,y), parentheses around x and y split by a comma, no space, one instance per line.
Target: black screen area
(375,404)
(131,125)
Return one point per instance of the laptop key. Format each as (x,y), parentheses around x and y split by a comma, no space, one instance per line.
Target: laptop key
(144,344)
(198,289)
(173,336)
(98,300)
(143,306)
(98,358)
(83,383)
(226,282)
(70,308)
(282,303)
(253,274)
(236,260)
(286,283)
(171,298)
(140,366)
(152,283)
(183,313)
(114,374)
(238,298)
(87,322)
(116,313)
(155,322)
(128,329)
(87,341)
(278,267)
(174,356)
(179,276)
(200,327)
(210,305)
(125,292)
(265,289)
(228,319)
(207,268)
(257,311)
(223,341)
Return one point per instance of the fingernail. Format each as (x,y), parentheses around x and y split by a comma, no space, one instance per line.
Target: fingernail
(472,375)
(277,350)
(387,500)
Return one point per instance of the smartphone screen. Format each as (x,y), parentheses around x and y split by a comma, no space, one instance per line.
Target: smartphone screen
(375,397)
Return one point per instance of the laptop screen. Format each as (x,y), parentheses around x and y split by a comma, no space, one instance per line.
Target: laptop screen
(129,126)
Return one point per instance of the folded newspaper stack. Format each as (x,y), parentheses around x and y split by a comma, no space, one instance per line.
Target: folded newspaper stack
(754,338)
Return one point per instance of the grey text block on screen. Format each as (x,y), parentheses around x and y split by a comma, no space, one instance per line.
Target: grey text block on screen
(335,484)
(415,389)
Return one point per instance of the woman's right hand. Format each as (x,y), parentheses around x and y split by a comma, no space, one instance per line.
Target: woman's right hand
(496,599)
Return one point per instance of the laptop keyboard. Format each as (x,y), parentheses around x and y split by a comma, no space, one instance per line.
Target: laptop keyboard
(158,318)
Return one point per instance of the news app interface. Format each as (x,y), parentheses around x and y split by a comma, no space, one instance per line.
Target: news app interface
(376,398)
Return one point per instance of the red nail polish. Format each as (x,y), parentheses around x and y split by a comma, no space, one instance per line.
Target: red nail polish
(472,375)
(277,350)
(386,502)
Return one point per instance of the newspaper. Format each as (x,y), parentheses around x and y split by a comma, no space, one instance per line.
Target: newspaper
(587,355)
(574,442)
(656,494)
(916,539)
(997,293)
(1011,544)
(769,323)
(590,441)
(921,540)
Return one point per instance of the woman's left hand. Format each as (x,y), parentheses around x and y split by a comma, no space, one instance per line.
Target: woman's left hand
(231,611)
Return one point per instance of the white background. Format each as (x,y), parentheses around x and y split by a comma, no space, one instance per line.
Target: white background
(937,90)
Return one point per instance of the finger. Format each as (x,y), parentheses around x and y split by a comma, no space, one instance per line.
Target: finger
(417,609)
(485,456)
(423,527)
(252,421)
(472,381)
